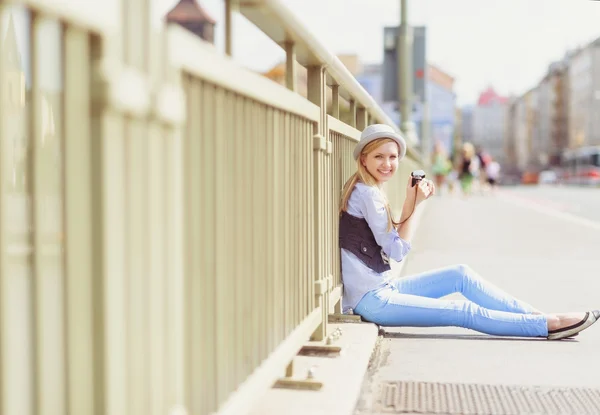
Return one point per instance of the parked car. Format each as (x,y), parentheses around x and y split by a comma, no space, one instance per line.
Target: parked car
(548,177)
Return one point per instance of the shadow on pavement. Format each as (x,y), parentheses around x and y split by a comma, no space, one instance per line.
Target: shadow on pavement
(391,335)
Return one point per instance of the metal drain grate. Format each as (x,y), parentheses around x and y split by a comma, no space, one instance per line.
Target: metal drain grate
(461,399)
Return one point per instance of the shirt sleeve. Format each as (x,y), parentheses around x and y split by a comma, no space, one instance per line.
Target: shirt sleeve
(373,209)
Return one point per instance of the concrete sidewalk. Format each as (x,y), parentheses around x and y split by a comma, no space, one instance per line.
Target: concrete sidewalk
(548,261)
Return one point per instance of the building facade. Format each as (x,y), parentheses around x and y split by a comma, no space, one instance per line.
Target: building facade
(584,96)
(560,115)
(521,134)
(541,144)
(489,123)
(442,103)
(467,124)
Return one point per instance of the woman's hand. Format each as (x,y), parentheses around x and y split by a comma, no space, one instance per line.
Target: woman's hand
(411,191)
(425,189)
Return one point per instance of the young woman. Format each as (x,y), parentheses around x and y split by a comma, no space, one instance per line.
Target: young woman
(369,237)
(469,168)
(441,165)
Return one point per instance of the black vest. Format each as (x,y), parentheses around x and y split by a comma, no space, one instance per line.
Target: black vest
(356,236)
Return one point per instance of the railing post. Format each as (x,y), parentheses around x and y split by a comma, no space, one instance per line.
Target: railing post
(316,94)
(228,27)
(361,118)
(335,101)
(352,121)
(290,66)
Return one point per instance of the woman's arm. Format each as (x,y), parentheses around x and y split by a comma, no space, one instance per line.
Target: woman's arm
(412,204)
(407,228)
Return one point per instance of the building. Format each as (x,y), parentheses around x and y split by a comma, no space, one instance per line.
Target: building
(489,123)
(371,80)
(441,101)
(521,134)
(510,137)
(584,96)
(531,157)
(442,105)
(190,15)
(560,114)
(467,124)
(542,141)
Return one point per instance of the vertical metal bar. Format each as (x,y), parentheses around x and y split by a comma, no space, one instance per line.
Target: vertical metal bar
(265,256)
(290,66)
(276,229)
(35,184)
(223,174)
(240,223)
(316,81)
(109,290)
(17,393)
(78,222)
(361,118)
(307,278)
(271,241)
(335,101)
(4,373)
(156,249)
(293,218)
(281,222)
(175,267)
(196,310)
(297,231)
(209,140)
(228,28)
(302,275)
(352,113)
(47,201)
(137,288)
(247,238)
(286,221)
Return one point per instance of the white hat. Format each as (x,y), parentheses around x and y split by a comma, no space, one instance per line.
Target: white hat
(375,131)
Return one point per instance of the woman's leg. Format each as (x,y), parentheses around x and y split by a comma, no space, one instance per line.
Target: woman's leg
(388,307)
(461,279)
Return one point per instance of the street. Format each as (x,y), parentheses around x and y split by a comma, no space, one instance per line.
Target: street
(539,244)
(580,201)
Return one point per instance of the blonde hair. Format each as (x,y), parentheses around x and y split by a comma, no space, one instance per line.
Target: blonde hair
(362,175)
(468,149)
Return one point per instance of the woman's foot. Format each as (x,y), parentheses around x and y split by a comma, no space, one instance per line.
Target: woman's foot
(561,326)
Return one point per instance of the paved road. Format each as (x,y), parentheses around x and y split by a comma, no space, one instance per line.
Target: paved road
(551,261)
(581,201)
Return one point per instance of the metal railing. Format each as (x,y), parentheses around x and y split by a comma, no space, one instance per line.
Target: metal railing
(168,225)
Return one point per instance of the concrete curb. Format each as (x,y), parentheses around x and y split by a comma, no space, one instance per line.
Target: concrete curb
(342,377)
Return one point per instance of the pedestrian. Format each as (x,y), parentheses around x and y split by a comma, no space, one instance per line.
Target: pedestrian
(370,237)
(469,168)
(492,171)
(440,166)
(483,160)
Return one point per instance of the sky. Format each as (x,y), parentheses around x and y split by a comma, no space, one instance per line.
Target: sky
(507,44)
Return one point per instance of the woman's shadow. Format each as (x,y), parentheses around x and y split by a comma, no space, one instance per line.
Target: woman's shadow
(469,337)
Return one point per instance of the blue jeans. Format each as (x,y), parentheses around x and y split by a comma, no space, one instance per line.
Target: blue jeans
(415,301)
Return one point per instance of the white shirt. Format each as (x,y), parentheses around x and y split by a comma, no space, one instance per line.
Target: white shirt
(369,203)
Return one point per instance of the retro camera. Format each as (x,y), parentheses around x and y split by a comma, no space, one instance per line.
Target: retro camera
(417,176)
